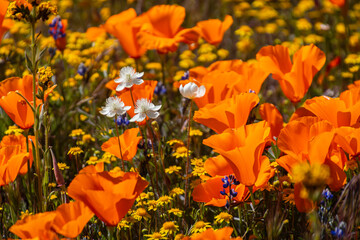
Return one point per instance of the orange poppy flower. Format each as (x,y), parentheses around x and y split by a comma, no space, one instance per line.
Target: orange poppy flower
(242,148)
(218,166)
(92,33)
(71,218)
(35,226)
(349,139)
(229,113)
(68,220)
(160,28)
(13,158)
(294,78)
(129,141)
(3,8)
(108,194)
(209,192)
(123,28)
(14,105)
(251,75)
(211,234)
(302,204)
(343,111)
(314,143)
(339,3)
(271,114)
(213,30)
(5,24)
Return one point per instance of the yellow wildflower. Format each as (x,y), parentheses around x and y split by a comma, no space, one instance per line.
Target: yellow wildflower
(25,214)
(172,169)
(163,200)
(63,166)
(152,205)
(177,212)
(176,191)
(223,217)
(75,151)
(195,132)
(123,224)
(303,24)
(181,152)
(175,142)
(169,228)
(76,133)
(153,65)
(200,226)
(92,160)
(155,236)
(197,162)
(347,75)
(14,130)
(141,213)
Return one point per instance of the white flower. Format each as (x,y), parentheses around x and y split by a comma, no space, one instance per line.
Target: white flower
(128,77)
(145,108)
(191,90)
(114,106)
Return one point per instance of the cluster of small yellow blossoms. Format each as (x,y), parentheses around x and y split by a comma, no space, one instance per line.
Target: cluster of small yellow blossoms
(19,10)
(199,169)
(313,177)
(195,132)
(187,59)
(14,130)
(245,43)
(76,133)
(206,52)
(45,75)
(63,166)
(46,9)
(25,214)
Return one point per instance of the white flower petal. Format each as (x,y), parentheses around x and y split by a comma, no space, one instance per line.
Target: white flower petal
(153,115)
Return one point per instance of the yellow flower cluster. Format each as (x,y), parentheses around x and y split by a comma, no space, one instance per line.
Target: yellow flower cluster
(45,74)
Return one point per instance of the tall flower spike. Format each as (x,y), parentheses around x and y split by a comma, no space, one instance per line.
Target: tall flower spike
(191,90)
(128,77)
(114,106)
(144,108)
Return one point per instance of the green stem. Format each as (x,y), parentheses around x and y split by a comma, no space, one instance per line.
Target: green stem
(118,138)
(153,151)
(188,155)
(252,196)
(36,132)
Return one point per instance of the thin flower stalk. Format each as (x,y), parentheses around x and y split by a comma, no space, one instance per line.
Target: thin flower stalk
(40,205)
(118,137)
(188,156)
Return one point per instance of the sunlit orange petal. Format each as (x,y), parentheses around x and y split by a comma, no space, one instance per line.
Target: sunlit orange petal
(35,226)
(71,218)
(271,114)
(213,30)
(128,140)
(230,113)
